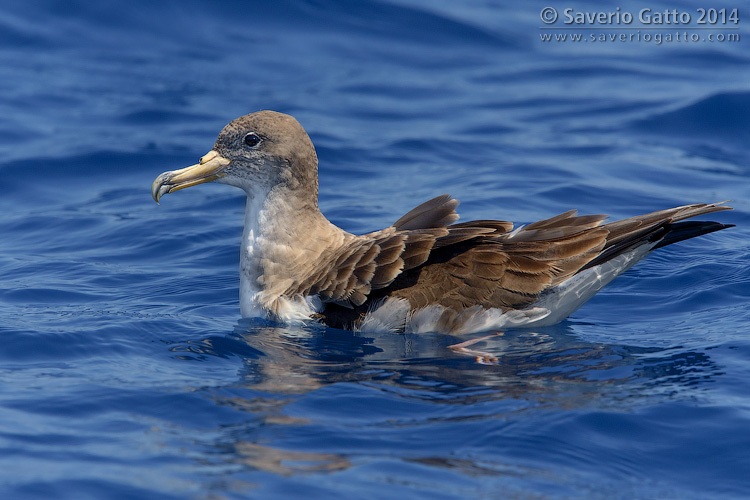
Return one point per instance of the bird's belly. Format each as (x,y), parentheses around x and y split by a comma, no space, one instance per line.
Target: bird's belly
(396,315)
(564,299)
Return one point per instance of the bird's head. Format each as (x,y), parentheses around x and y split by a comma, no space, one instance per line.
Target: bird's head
(255,152)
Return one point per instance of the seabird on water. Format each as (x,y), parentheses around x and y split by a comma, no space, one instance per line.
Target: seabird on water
(425,272)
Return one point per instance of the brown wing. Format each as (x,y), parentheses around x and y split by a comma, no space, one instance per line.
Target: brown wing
(506,270)
(427,260)
(348,274)
(509,271)
(473,264)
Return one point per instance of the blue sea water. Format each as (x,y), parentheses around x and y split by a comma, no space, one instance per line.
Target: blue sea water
(126,371)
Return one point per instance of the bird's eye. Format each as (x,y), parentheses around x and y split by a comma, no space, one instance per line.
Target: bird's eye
(252,139)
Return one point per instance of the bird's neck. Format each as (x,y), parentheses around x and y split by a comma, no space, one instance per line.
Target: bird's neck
(284,237)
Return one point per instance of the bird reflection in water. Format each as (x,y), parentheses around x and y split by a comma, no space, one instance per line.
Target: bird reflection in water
(285,367)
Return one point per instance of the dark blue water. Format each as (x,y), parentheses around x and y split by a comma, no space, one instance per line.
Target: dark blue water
(126,373)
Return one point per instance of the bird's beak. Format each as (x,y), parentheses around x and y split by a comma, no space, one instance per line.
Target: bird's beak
(209,169)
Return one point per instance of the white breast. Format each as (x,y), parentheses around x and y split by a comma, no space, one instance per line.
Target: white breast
(255,299)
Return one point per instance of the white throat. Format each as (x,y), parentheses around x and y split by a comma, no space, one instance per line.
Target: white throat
(251,255)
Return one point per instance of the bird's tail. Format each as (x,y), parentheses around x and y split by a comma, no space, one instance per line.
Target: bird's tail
(679,231)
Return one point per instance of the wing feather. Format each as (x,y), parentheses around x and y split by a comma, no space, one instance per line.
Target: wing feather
(428,259)
(437,212)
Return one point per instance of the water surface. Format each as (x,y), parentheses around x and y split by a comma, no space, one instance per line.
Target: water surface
(126,371)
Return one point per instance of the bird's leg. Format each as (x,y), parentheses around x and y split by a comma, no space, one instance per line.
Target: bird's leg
(480,357)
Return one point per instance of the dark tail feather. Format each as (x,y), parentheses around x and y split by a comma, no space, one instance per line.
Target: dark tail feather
(665,233)
(679,231)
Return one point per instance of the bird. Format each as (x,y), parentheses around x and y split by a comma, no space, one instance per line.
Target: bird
(424,273)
